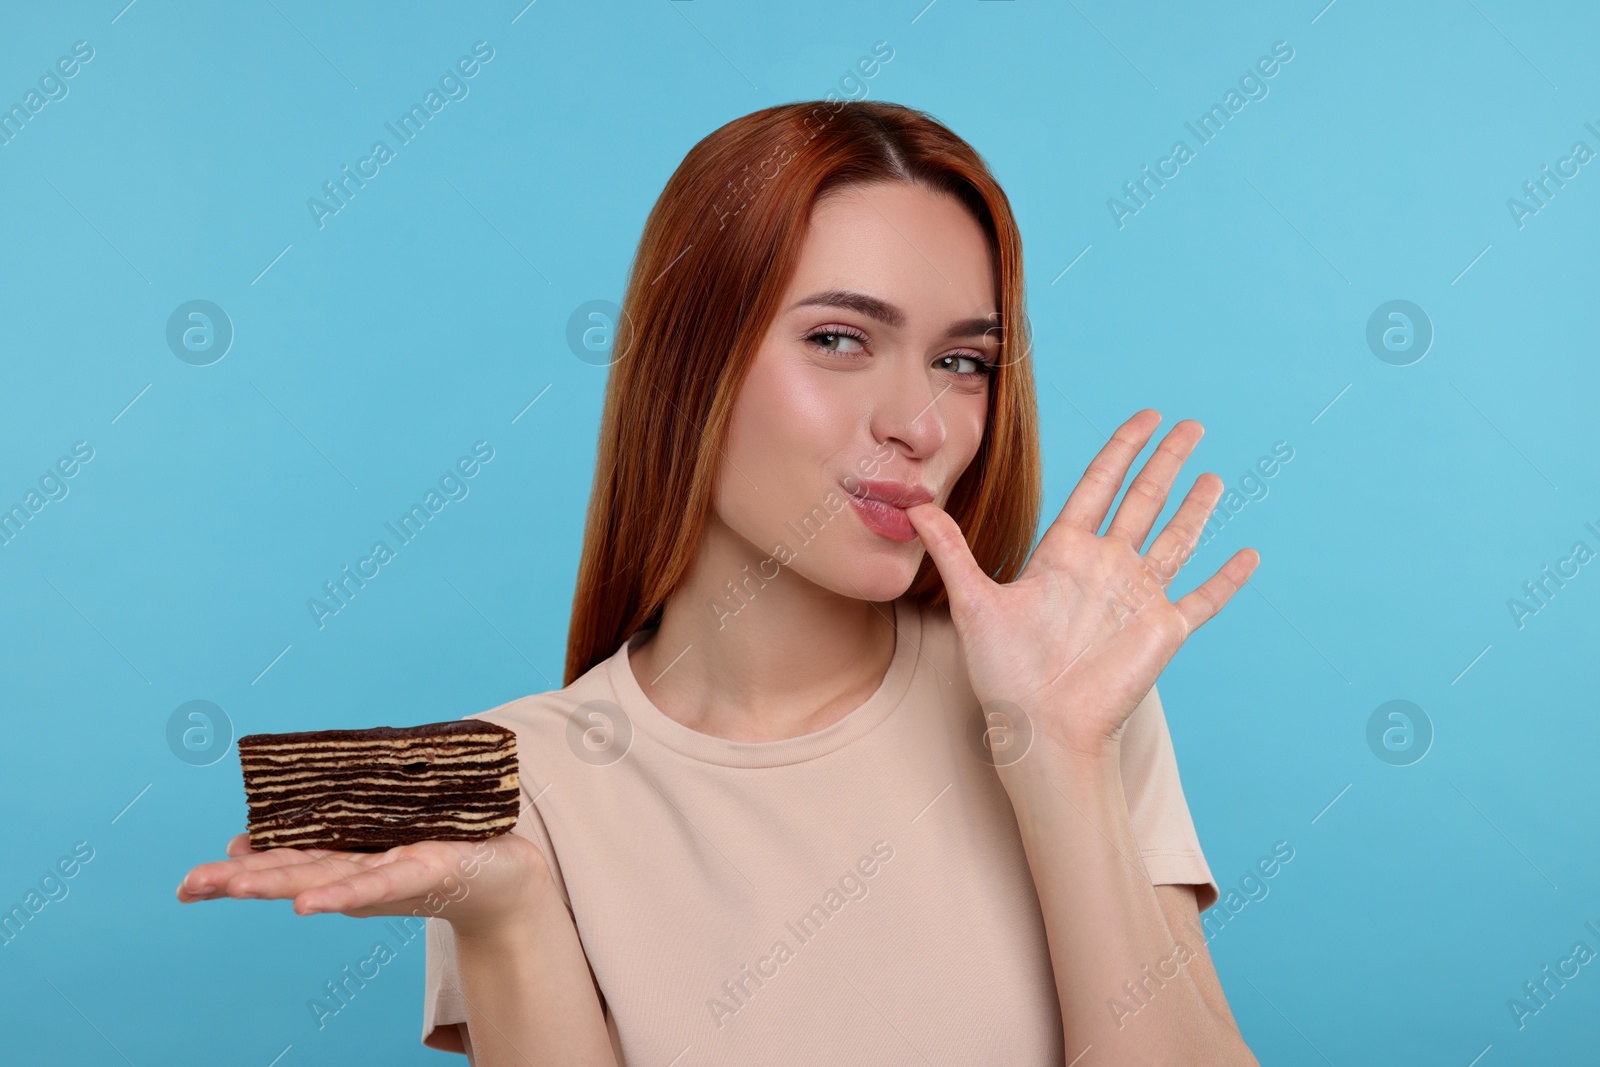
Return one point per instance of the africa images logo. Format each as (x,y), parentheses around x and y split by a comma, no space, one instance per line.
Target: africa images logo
(452,86)
(1206,128)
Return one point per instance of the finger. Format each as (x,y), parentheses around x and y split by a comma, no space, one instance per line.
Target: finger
(964,580)
(274,874)
(1147,494)
(287,880)
(1175,543)
(1203,603)
(399,880)
(215,874)
(239,845)
(221,869)
(1086,506)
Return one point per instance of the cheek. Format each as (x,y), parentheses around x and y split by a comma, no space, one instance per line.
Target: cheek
(791,420)
(965,424)
(789,440)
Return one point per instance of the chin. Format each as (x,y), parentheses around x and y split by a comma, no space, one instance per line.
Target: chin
(878,574)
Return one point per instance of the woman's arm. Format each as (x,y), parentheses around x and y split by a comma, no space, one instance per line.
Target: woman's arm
(1132,987)
(1068,650)
(1181,905)
(530,997)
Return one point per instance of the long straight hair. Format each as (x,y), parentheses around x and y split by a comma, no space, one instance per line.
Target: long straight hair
(717,253)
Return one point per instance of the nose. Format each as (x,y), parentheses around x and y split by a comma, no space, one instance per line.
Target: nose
(907,410)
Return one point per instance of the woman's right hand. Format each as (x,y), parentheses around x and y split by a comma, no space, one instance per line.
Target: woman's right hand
(479,886)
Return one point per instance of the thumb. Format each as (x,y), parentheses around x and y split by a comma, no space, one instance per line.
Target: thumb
(964,580)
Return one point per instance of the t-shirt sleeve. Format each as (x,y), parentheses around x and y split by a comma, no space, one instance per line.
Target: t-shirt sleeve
(1162,825)
(442,1005)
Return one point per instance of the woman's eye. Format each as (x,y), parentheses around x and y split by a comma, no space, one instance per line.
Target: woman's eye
(835,341)
(975,366)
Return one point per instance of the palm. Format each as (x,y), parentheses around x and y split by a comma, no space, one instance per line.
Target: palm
(473,880)
(1078,639)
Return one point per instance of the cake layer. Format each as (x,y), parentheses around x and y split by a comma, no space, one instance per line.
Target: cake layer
(374,789)
(367,841)
(319,832)
(452,730)
(410,792)
(328,808)
(390,778)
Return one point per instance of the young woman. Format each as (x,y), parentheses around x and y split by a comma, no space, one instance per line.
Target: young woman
(839,772)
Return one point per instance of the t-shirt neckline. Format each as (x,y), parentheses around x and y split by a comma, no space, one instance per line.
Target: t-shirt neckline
(645,716)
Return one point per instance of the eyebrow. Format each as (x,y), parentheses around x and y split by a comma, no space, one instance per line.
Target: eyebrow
(889,314)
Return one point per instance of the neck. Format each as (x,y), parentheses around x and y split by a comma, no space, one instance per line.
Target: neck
(780,657)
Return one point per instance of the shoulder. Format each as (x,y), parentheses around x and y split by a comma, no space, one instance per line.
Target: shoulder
(551,728)
(542,721)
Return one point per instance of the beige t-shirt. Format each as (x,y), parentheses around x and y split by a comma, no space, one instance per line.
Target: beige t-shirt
(857,894)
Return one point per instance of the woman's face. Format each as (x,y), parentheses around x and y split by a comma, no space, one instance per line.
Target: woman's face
(870,390)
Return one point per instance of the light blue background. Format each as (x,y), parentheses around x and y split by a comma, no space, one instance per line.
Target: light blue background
(370,354)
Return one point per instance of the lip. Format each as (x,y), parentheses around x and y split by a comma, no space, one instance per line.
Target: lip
(882,506)
(897,494)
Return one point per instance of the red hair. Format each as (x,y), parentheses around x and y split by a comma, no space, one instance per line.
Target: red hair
(715,258)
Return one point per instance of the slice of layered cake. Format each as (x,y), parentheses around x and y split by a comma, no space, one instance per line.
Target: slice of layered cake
(371,790)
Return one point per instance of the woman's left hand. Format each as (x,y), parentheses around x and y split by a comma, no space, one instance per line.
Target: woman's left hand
(1078,639)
